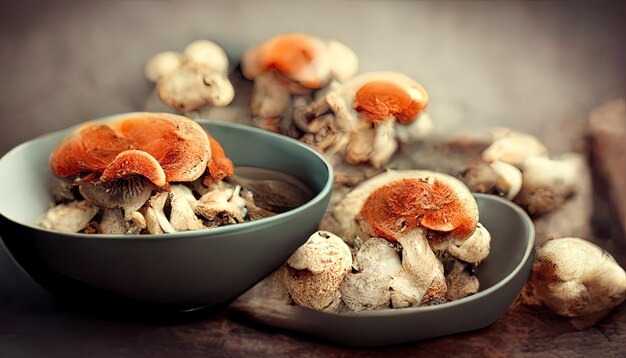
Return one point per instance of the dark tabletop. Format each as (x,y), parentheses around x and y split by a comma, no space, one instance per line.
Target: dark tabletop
(534,66)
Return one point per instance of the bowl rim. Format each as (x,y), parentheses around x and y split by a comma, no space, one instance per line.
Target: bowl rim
(203,233)
(395,312)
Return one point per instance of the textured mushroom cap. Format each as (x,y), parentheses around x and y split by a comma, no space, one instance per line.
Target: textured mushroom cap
(299,57)
(135,162)
(313,274)
(219,165)
(375,94)
(161,64)
(429,202)
(179,144)
(460,218)
(207,53)
(574,277)
(378,100)
(87,150)
(513,148)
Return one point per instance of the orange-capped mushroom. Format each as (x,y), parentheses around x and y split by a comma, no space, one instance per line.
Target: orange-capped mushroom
(178,143)
(401,205)
(219,165)
(135,162)
(87,150)
(377,100)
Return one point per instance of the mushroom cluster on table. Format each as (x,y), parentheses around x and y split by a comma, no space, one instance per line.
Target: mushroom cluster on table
(400,239)
(288,68)
(147,173)
(193,79)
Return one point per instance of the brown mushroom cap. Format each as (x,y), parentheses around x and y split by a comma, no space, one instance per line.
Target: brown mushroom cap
(87,150)
(378,100)
(404,204)
(135,162)
(179,144)
(291,55)
(219,165)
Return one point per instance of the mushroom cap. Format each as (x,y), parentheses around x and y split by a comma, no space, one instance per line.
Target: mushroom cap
(513,148)
(219,165)
(207,53)
(135,162)
(346,218)
(379,95)
(161,64)
(87,150)
(378,100)
(299,57)
(401,205)
(178,144)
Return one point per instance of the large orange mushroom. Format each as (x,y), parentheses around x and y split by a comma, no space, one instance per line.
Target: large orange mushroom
(117,164)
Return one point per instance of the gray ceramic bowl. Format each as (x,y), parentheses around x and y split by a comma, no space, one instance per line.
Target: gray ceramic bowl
(502,276)
(179,271)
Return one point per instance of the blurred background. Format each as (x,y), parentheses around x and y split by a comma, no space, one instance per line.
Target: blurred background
(533,66)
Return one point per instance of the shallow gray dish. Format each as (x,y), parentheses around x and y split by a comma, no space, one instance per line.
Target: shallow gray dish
(502,276)
(155,273)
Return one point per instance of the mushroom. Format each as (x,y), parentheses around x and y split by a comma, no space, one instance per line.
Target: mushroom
(313,274)
(182,216)
(513,148)
(509,182)
(429,214)
(368,286)
(366,112)
(73,216)
(145,153)
(292,64)
(547,183)
(194,79)
(221,205)
(575,278)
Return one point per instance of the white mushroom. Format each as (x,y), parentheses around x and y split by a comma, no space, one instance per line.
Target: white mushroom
(547,183)
(513,148)
(223,204)
(194,79)
(73,216)
(182,216)
(369,288)
(575,278)
(474,249)
(509,181)
(313,274)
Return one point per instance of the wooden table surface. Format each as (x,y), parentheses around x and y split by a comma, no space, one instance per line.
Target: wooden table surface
(534,66)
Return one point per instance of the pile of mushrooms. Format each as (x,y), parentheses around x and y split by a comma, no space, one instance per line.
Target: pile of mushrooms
(400,239)
(289,67)
(193,79)
(144,173)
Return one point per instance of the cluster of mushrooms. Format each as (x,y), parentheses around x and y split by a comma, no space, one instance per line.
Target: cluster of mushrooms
(390,239)
(400,239)
(147,173)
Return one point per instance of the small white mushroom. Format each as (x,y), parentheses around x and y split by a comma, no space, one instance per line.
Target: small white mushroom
(513,148)
(459,281)
(547,183)
(474,249)
(70,217)
(313,274)
(369,288)
(194,79)
(162,64)
(575,278)
(155,211)
(509,181)
(223,204)
(182,216)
